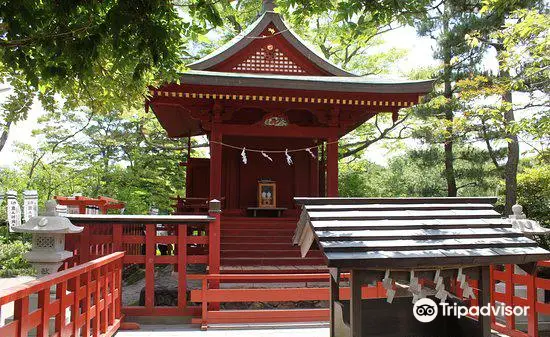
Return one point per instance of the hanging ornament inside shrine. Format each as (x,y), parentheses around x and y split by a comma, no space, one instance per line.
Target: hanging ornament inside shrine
(308,150)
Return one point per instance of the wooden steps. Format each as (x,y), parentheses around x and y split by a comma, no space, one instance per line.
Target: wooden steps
(264,245)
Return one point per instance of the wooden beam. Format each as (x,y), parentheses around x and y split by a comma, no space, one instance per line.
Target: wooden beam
(332,167)
(356,303)
(484,299)
(334,296)
(291,131)
(215,164)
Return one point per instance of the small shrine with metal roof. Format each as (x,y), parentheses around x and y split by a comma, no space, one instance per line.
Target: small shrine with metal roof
(270,106)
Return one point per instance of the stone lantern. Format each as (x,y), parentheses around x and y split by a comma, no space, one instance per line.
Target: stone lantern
(48,239)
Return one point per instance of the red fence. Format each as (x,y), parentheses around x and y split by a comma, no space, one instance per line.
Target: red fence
(512,281)
(212,297)
(91,293)
(173,242)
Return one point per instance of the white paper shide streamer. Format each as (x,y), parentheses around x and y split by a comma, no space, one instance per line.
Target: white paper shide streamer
(288,157)
(243,155)
(265,155)
(310,152)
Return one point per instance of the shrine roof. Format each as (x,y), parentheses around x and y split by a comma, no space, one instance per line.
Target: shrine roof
(321,83)
(368,233)
(242,40)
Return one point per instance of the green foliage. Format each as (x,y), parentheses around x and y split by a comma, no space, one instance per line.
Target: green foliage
(12,249)
(100,54)
(125,156)
(349,43)
(418,173)
(534,193)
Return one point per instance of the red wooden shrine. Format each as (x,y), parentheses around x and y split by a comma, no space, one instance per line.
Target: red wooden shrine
(264,90)
(267,90)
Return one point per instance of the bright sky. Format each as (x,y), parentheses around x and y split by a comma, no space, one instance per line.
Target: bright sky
(420,55)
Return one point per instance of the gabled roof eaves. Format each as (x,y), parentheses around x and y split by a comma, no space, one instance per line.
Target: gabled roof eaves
(318,83)
(243,39)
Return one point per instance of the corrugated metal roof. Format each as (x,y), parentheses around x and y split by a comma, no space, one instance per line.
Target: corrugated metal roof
(411,233)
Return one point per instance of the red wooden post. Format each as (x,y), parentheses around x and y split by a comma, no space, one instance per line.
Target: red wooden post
(75,312)
(43,303)
(214,237)
(88,304)
(150,252)
(61,295)
(216,154)
(182,266)
(105,311)
(97,292)
(214,245)
(21,315)
(112,286)
(532,315)
(332,167)
(322,172)
(117,237)
(492,290)
(204,304)
(509,294)
(314,174)
(84,245)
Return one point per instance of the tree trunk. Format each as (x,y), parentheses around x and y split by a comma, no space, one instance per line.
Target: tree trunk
(4,135)
(449,114)
(511,168)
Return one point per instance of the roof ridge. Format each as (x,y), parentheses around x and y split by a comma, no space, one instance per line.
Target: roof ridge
(243,39)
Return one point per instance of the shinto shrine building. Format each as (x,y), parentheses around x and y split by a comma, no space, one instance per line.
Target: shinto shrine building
(266,90)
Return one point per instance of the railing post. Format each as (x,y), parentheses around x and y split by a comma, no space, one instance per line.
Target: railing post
(75,311)
(214,245)
(44,303)
(204,304)
(118,287)
(21,315)
(532,315)
(509,294)
(182,266)
(214,237)
(150,252)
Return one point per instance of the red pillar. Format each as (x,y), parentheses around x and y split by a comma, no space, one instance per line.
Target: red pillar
(332,167)
(216,154)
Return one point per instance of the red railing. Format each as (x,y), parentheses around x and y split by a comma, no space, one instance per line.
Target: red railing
(507,275)
(210,298)
(87,301)
(168,243)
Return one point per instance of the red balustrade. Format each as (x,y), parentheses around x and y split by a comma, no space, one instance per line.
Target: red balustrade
(175,241)
(87,301)
(507,275)
(210,297)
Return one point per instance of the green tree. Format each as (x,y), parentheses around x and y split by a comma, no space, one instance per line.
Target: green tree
(102,53)
(518,32)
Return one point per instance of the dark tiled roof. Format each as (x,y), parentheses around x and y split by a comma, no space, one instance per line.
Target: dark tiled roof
(322,83)
(411,233)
